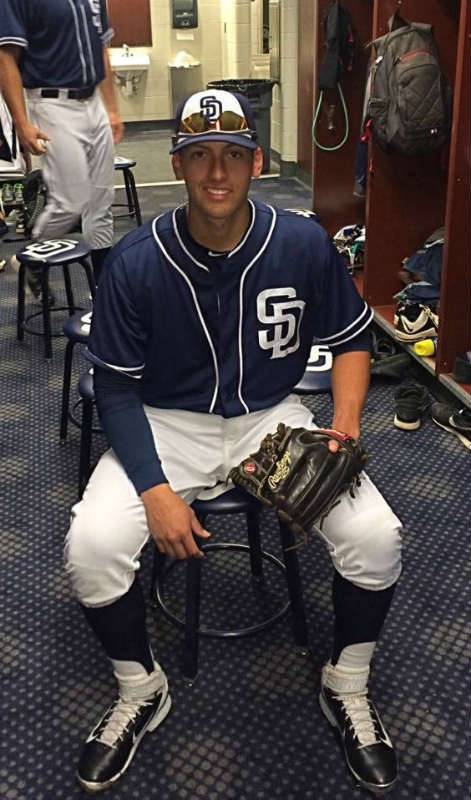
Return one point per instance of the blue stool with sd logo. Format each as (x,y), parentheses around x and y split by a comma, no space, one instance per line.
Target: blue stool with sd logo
(40,257)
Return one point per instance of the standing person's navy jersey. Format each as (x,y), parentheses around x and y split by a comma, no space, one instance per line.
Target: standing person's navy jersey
(226,334)
(62,40)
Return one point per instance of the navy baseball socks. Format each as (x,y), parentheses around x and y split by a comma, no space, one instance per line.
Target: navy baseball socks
(143,702)
(344,697)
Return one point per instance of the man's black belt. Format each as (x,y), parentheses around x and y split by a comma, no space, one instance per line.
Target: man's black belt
(72,94)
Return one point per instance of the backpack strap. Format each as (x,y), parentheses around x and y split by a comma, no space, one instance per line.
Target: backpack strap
(396,21)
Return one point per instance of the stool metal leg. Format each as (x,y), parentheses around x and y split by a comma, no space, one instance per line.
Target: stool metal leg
(135,199)
(192,618)
(90,278)
(293,579)
(20,314)
(127,185)
(46,311)
(69,293)
(67,377)
(85,445)
(253,533)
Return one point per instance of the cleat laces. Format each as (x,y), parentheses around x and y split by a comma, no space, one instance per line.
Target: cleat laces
(121,715)
(361,720)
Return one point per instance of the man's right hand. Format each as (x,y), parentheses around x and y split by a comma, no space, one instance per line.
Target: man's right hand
(32,139)
(172,523)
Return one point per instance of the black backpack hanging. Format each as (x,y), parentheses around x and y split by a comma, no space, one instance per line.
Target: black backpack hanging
(409,103)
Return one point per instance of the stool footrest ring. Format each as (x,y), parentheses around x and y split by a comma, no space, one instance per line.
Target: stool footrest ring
(52,309)
(76,422)
(222,633)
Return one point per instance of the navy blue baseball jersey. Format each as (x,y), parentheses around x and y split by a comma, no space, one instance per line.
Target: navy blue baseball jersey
(62,40)
(223,333)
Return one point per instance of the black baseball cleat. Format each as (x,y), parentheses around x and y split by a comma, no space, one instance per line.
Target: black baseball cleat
(111,746)
(368,750)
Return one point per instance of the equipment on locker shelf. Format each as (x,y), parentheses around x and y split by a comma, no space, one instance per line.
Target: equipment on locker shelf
(350,243)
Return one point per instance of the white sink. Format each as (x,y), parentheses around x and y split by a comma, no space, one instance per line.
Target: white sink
(126,65)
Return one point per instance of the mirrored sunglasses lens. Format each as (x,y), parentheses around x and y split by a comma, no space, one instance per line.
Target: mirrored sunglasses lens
(228,121)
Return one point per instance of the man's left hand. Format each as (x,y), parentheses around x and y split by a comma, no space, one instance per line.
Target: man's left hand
(117,127)
(349,428)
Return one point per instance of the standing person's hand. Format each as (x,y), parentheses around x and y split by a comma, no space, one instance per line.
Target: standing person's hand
(32,139)
(117,127)
(172,523)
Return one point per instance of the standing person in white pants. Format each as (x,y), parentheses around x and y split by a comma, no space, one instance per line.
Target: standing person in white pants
(56,51)
(202,327)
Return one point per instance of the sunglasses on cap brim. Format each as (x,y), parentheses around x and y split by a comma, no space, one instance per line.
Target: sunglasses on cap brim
(226,122)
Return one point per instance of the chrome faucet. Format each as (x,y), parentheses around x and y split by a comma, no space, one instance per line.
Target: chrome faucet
(127,52)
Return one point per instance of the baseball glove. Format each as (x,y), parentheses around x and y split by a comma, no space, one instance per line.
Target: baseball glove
(294,472)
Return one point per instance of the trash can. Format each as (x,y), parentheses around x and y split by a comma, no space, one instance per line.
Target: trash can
(259,92)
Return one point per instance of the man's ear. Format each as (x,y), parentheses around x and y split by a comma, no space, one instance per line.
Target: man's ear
(177,166)
(257,164)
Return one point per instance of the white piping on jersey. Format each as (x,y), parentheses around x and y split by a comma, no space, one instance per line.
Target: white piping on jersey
(344,330)
(231,253)
(181,243)
(89,44)
(198,309)
(241,301)
(14,40)
(357,332)
(79,42)
(247,233)
(117,368)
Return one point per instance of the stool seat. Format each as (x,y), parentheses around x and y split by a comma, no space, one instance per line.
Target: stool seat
(313,383)
(53,251)
(39,257)
(317,377)
(233,501)
(121,162)
(77,327)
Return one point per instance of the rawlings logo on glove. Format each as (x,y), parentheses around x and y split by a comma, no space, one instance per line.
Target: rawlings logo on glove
(295,472)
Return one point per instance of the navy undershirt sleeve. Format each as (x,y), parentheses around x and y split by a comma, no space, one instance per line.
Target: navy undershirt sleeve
(360,342)
(127,428)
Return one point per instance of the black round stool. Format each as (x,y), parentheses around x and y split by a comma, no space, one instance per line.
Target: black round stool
(125,165)
(40,257)
(87,402)
(76,329)
(234,501)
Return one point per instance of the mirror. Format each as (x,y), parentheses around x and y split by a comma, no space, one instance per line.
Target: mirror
(131,22)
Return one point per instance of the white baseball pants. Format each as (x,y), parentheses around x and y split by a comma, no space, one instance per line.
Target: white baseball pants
(109,528)
(77,167)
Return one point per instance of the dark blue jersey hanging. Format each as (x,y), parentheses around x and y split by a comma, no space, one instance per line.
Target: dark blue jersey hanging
(339,43)
(340,46)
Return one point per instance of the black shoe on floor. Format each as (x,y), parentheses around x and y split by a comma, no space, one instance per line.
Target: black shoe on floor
(412,401)
(368,750)
(454,421)
(111,746)
(393,367)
